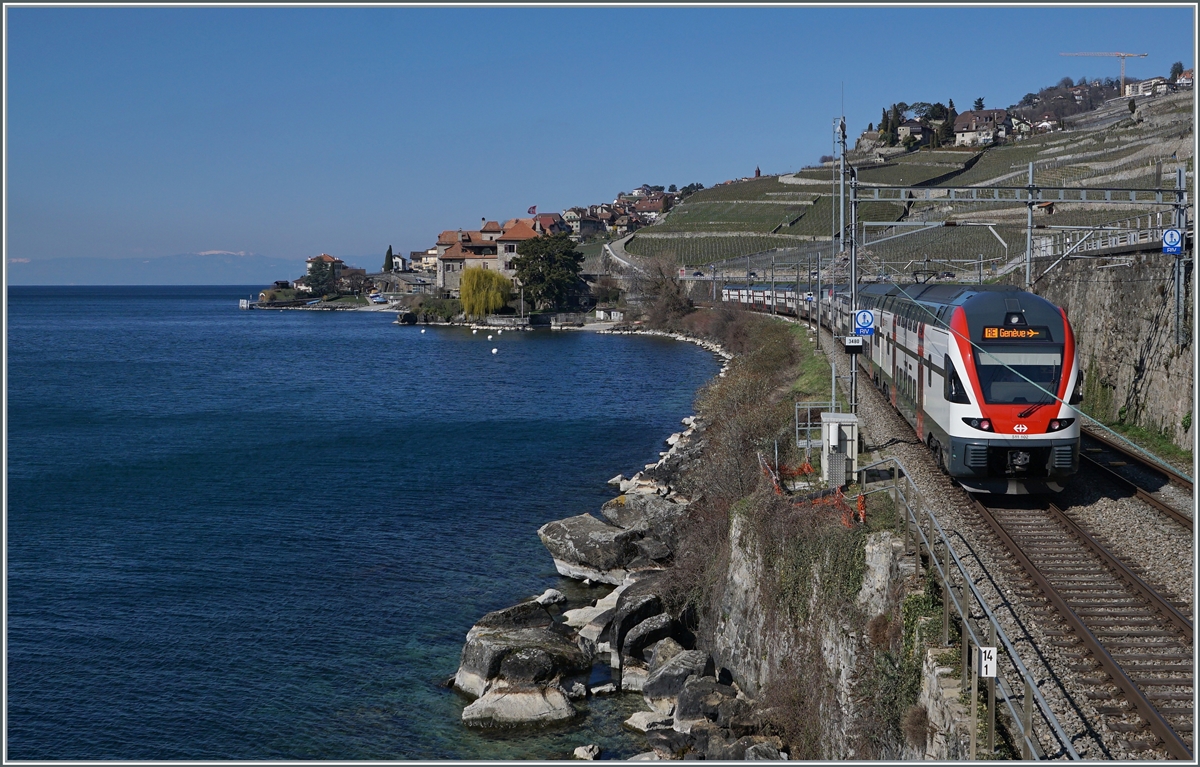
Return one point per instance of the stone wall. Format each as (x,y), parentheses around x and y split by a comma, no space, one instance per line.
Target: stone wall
(752,647)
(1124,322)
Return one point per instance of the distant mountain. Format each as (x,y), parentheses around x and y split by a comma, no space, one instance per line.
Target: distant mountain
(212,268)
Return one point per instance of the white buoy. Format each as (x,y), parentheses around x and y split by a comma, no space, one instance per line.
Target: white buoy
(499,332)
(489,338)
(422,330)
(476,330)
(493,351)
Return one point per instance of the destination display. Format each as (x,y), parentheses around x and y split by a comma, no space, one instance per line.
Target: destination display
(1016,334)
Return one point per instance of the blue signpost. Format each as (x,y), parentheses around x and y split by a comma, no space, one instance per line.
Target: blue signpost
(1172,242)
(864,322)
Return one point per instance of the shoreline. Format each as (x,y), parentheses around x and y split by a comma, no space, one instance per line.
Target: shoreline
(573,639)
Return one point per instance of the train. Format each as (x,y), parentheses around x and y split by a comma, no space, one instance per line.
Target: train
(985,374)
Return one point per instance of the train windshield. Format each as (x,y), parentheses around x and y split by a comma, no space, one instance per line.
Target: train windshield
(1013,376)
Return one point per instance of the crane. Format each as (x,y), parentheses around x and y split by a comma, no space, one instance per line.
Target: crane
(1122,56)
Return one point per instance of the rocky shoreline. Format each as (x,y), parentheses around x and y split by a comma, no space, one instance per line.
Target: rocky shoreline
(530,664)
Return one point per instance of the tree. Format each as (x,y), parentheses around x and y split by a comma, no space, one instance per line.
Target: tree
(1066,82)
(483,291)
(946,131)
(672,189)
(1132,106)
(387,261)
(665,296)
(978,106)
(1176,70)
(883,121)
(870,127)
(320,278)
(548,267)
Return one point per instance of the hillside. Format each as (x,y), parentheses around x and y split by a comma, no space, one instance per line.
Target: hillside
(791,218)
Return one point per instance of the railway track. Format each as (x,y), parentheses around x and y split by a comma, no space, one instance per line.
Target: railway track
(1135,647)
(1165,489)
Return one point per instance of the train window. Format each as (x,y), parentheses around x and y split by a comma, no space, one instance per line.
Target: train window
(954,390)
(1019,376)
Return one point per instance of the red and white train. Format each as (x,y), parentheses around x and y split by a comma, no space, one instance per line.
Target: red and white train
(986,374)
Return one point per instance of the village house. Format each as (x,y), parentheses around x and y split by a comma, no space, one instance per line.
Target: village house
(983,127)
(1146,87)
(425,260)
(510,240)
(337,264)
(911,128)
(459,251)
(652,207)
(1184,80)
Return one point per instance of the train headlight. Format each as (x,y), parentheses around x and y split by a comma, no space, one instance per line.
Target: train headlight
(1058,424)
(982,424)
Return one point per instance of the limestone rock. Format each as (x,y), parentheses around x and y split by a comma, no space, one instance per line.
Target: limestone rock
(595,630)
(647,513)
(585,547)
(608,688)
(541,654)
(700,699)
(524,615)
(513,706)
(662,651)
(551,597)
(750,747)
(667,681)
(582,616)
(617,480)
(646,633)
(527,664)
(644,721)
(633,678)
(666,740)
(587,752)
(647,756)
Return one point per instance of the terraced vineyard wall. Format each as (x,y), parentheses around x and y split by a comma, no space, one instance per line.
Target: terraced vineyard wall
(1124,321)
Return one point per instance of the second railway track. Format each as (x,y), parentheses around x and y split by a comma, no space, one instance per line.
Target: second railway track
(1137,646)
(1166,490)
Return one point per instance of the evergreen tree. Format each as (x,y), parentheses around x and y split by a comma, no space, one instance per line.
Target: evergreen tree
(978,106)
(894,121)
(1176,70)
(549,268)
(320,279)
(883,121)
(387,261)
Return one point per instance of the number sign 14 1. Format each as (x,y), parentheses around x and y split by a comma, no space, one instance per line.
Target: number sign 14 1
(987,662)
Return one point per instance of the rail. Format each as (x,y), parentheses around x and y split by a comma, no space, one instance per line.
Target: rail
(922,525)
(1158,724)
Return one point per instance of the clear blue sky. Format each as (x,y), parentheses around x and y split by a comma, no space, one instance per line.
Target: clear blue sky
(141,132)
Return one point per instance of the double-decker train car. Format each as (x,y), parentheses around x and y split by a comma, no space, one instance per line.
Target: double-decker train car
(984,374)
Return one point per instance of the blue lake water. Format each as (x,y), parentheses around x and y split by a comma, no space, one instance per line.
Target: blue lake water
(250,535)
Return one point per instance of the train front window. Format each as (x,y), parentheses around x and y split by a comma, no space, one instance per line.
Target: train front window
(1014,376)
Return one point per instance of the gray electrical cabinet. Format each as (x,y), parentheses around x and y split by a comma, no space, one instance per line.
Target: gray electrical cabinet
(839,447)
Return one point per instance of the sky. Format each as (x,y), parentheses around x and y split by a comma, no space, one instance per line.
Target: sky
(289,132)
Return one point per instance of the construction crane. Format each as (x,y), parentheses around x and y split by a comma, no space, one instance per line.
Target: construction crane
(1122,56)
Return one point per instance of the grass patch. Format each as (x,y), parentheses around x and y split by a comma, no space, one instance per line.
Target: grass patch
(1154,441)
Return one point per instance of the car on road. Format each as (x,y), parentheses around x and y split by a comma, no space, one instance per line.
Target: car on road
(697,274)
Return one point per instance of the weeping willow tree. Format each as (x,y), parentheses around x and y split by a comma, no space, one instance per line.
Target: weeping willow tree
(483,291)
